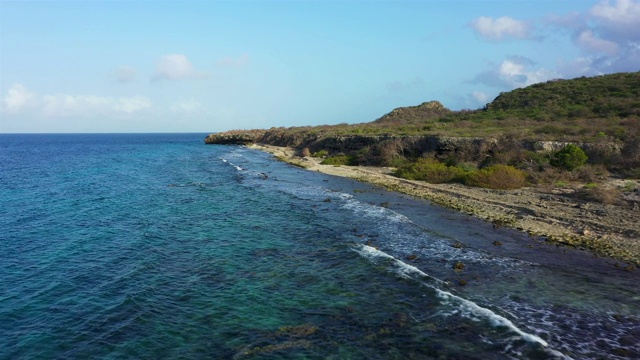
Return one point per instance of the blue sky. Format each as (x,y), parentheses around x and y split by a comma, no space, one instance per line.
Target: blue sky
(206,66)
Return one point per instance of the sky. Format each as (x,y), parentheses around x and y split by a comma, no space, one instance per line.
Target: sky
(209,66)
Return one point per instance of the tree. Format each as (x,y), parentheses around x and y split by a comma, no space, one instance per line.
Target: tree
(569,158)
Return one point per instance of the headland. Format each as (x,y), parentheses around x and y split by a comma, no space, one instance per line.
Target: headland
(560,159)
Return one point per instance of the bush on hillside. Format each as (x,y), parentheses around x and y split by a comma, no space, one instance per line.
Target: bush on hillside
(610,196)
(592,173)
(321,153)
(569,158)
(501,177)
(430,170)
(340,160)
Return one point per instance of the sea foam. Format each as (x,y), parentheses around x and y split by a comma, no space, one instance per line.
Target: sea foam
(232,164)
(467,308)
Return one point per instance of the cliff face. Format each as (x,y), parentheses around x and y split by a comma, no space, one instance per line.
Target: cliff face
(381,150)
(337,143)
(235,137)
(371,150)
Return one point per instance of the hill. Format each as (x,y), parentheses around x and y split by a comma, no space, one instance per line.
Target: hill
(425,111)
(601,114)
(615,95)
(578,110)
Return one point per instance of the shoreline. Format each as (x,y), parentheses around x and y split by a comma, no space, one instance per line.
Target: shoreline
(605,230)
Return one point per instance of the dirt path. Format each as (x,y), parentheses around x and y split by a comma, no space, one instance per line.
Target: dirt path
(607,230)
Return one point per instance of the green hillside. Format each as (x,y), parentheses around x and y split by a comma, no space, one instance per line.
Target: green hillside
(616,95)
(581,109)
(600,114)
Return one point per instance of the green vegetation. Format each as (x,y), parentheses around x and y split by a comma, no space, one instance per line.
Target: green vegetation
(503,177)
(430,170)
(577,110)
(569,158)
(513,140)
(321,153)
(340,160)
(590,185)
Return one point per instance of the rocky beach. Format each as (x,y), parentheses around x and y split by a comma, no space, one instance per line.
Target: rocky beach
(606,230)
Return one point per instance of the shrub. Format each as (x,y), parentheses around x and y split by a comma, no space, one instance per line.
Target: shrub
(305,152)
(321,153)
(340,160)
(430,170)
(601,195)
(508,149)
(632,173)
(497,177)
(569,158)
(467,166)
(592,173)
(590,185)
(386,152)
(631,151)
(603,151)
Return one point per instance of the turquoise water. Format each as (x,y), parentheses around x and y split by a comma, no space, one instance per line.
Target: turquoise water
(158,246)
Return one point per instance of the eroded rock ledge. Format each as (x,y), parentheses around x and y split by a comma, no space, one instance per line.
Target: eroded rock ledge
(408,144)
(235,137)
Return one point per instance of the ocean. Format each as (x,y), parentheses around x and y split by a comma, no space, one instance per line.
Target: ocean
(157,246)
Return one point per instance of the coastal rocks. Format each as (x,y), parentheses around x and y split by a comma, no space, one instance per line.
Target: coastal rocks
(378,149)
(378,145)
(548,146)
(381,147)
(552,146)
(234,137)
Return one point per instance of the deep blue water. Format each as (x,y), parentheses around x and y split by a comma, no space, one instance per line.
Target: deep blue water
(158,246)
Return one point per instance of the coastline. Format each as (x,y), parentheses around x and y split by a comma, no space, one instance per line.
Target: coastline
(605,230)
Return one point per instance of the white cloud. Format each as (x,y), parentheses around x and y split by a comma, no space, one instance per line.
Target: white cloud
(19,100)
(18,97)
(587,40)
(231,62)
(125,74)
(515,72)
(511,68)
(130,105)
(608,35)
(620,20)
(576,67)
(186,106)
(501,28)
(176,67)
(64,106)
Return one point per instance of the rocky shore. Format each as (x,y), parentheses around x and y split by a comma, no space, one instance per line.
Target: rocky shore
(605,230)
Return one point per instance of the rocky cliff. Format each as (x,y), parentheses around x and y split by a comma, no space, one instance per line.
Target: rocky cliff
(371,149)
(235,137)
(383,149)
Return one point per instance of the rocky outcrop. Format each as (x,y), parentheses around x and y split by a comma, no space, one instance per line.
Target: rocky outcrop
(371,147)
(426,110)
(235,137)
(378,149)
(551,146)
